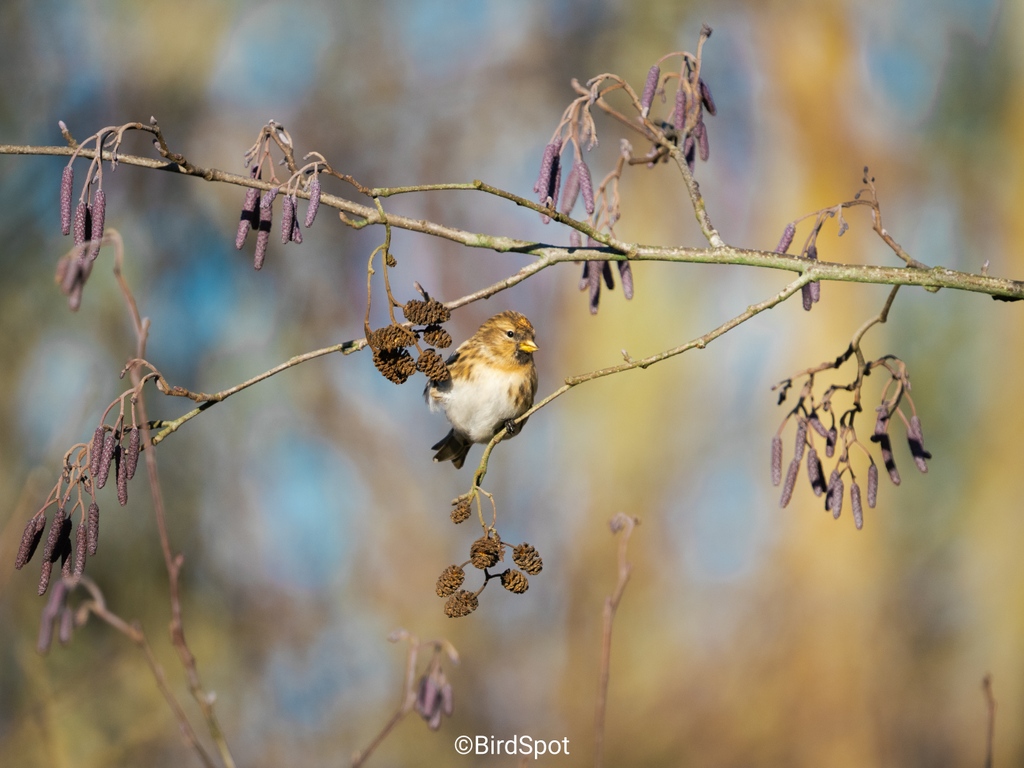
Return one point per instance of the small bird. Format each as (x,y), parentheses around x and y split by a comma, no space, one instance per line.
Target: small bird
(493,382)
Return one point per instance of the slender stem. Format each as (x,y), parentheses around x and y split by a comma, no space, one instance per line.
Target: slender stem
(405,705)
(172,562)
(698,343)
(990,731)
(625,524)
(718,254)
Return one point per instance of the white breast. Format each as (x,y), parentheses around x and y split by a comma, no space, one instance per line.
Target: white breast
(477,408)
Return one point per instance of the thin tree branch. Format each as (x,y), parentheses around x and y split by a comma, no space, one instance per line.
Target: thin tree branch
(990,731)
(823,271)
(134,632)
(171,561)
(625,524)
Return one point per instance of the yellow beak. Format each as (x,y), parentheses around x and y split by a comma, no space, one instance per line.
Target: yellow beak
(528,347)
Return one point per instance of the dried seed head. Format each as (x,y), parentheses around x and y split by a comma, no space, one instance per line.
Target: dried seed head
(98,214)
(109,444)
(858,510)
(462,509)
(92,529)
(30,538)
(122,477)
(131,456)
(391,337)
(514,581)
(626,275)
(705,97)
(776,460)
(96,451)
(787,238)
(287,218)
(67,185)
(81,547)
(485,552)
(872,485)
(450,580)
(462,603)
(586,187)
(390,260)
(437,336)
(81,217)
(431,364)
(430,312)
(394,365)
(314,199)
(650,88)
(790,484)
(526,557)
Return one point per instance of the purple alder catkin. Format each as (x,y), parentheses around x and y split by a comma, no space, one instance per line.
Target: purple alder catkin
(67,186)
(650,88)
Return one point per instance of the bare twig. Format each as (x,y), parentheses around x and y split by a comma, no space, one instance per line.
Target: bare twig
(172,562)
(133,631)
(990,731)
(625,524)
(407,700)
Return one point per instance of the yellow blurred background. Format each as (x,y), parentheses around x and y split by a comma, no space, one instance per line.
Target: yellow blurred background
(311,519)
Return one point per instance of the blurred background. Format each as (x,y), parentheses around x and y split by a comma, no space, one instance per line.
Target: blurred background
(310,516)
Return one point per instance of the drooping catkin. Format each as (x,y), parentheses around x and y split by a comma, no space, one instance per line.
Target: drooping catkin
(92,528)
(626,275)
(107,456)
(790,484)
(872,485)
(30,538)
(67,186)
(96,451)
(98,214)
(787,238)
(314,200)
(131,455)
(650,88)
(81,547)
(287,218)
(855,503)
(586,188)
(776,460)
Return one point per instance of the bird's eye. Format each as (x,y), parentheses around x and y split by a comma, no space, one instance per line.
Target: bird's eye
(510,334)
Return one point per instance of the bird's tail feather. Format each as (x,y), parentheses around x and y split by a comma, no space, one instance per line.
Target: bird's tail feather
(452,447)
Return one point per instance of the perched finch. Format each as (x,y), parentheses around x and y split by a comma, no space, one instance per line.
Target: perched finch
(493,382)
